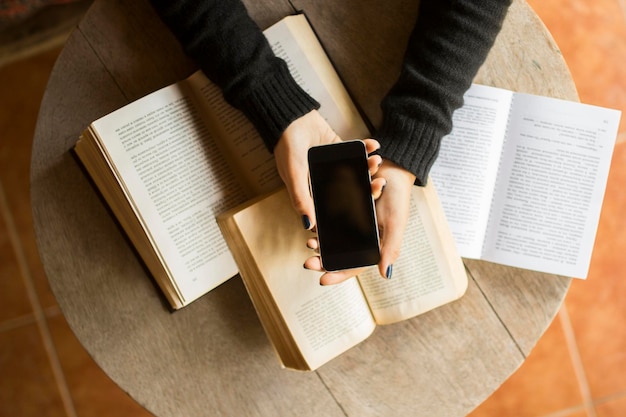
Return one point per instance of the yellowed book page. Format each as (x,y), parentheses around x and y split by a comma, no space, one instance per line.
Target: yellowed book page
(171,171)
(429,271)
(324,321)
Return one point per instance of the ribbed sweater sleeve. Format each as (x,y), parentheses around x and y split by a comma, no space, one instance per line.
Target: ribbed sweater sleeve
(231,50)
(449,43)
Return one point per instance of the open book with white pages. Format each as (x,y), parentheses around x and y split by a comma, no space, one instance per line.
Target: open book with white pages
(522,178)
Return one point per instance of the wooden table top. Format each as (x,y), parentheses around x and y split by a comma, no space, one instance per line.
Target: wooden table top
(212,357)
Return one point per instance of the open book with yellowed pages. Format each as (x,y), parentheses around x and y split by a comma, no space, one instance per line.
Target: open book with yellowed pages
(309,324)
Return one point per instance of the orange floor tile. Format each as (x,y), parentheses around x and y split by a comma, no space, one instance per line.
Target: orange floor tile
(578,368)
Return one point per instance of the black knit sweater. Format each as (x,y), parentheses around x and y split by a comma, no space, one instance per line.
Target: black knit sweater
(449,42)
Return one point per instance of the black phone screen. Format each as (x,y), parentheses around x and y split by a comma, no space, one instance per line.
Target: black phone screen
(344,208)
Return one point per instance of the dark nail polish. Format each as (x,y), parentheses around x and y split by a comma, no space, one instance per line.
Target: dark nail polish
(306,222)
(389,271)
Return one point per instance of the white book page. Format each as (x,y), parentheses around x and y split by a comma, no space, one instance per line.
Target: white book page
(177,181)
(551,185)
(464,174)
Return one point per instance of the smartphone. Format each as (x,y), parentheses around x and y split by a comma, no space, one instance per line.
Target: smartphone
(344,207)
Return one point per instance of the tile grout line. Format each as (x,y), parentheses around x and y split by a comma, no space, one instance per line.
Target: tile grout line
(617,396)
(25,320)
(16,322)
(579,370)
(567,412)
(38,312)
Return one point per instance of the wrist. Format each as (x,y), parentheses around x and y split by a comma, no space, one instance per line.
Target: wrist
(394,173)
(273,105)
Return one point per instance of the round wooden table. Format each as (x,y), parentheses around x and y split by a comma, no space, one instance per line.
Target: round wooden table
(212,358)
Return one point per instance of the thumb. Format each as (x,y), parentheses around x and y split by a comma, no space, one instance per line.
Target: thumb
(391,242)
(392,209)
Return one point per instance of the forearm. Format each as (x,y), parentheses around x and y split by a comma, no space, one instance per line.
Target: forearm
(449,43)
(231,50)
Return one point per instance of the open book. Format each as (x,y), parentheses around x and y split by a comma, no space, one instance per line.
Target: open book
(170,162)
(522,178)
(310,324)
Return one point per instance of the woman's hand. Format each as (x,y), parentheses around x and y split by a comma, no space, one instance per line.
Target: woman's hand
(291,160)
(392,211)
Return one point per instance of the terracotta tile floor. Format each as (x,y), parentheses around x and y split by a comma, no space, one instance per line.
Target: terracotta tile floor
(577,369)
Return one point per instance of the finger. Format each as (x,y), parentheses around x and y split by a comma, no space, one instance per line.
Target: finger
(314,263)
(333,278)
(392,211)
(391,242)
(373,163)
(312,243)
(378,185)
(371,145)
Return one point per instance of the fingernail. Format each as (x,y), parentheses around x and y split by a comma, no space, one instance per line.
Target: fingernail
(389,271)
(384,185)
(306,222)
